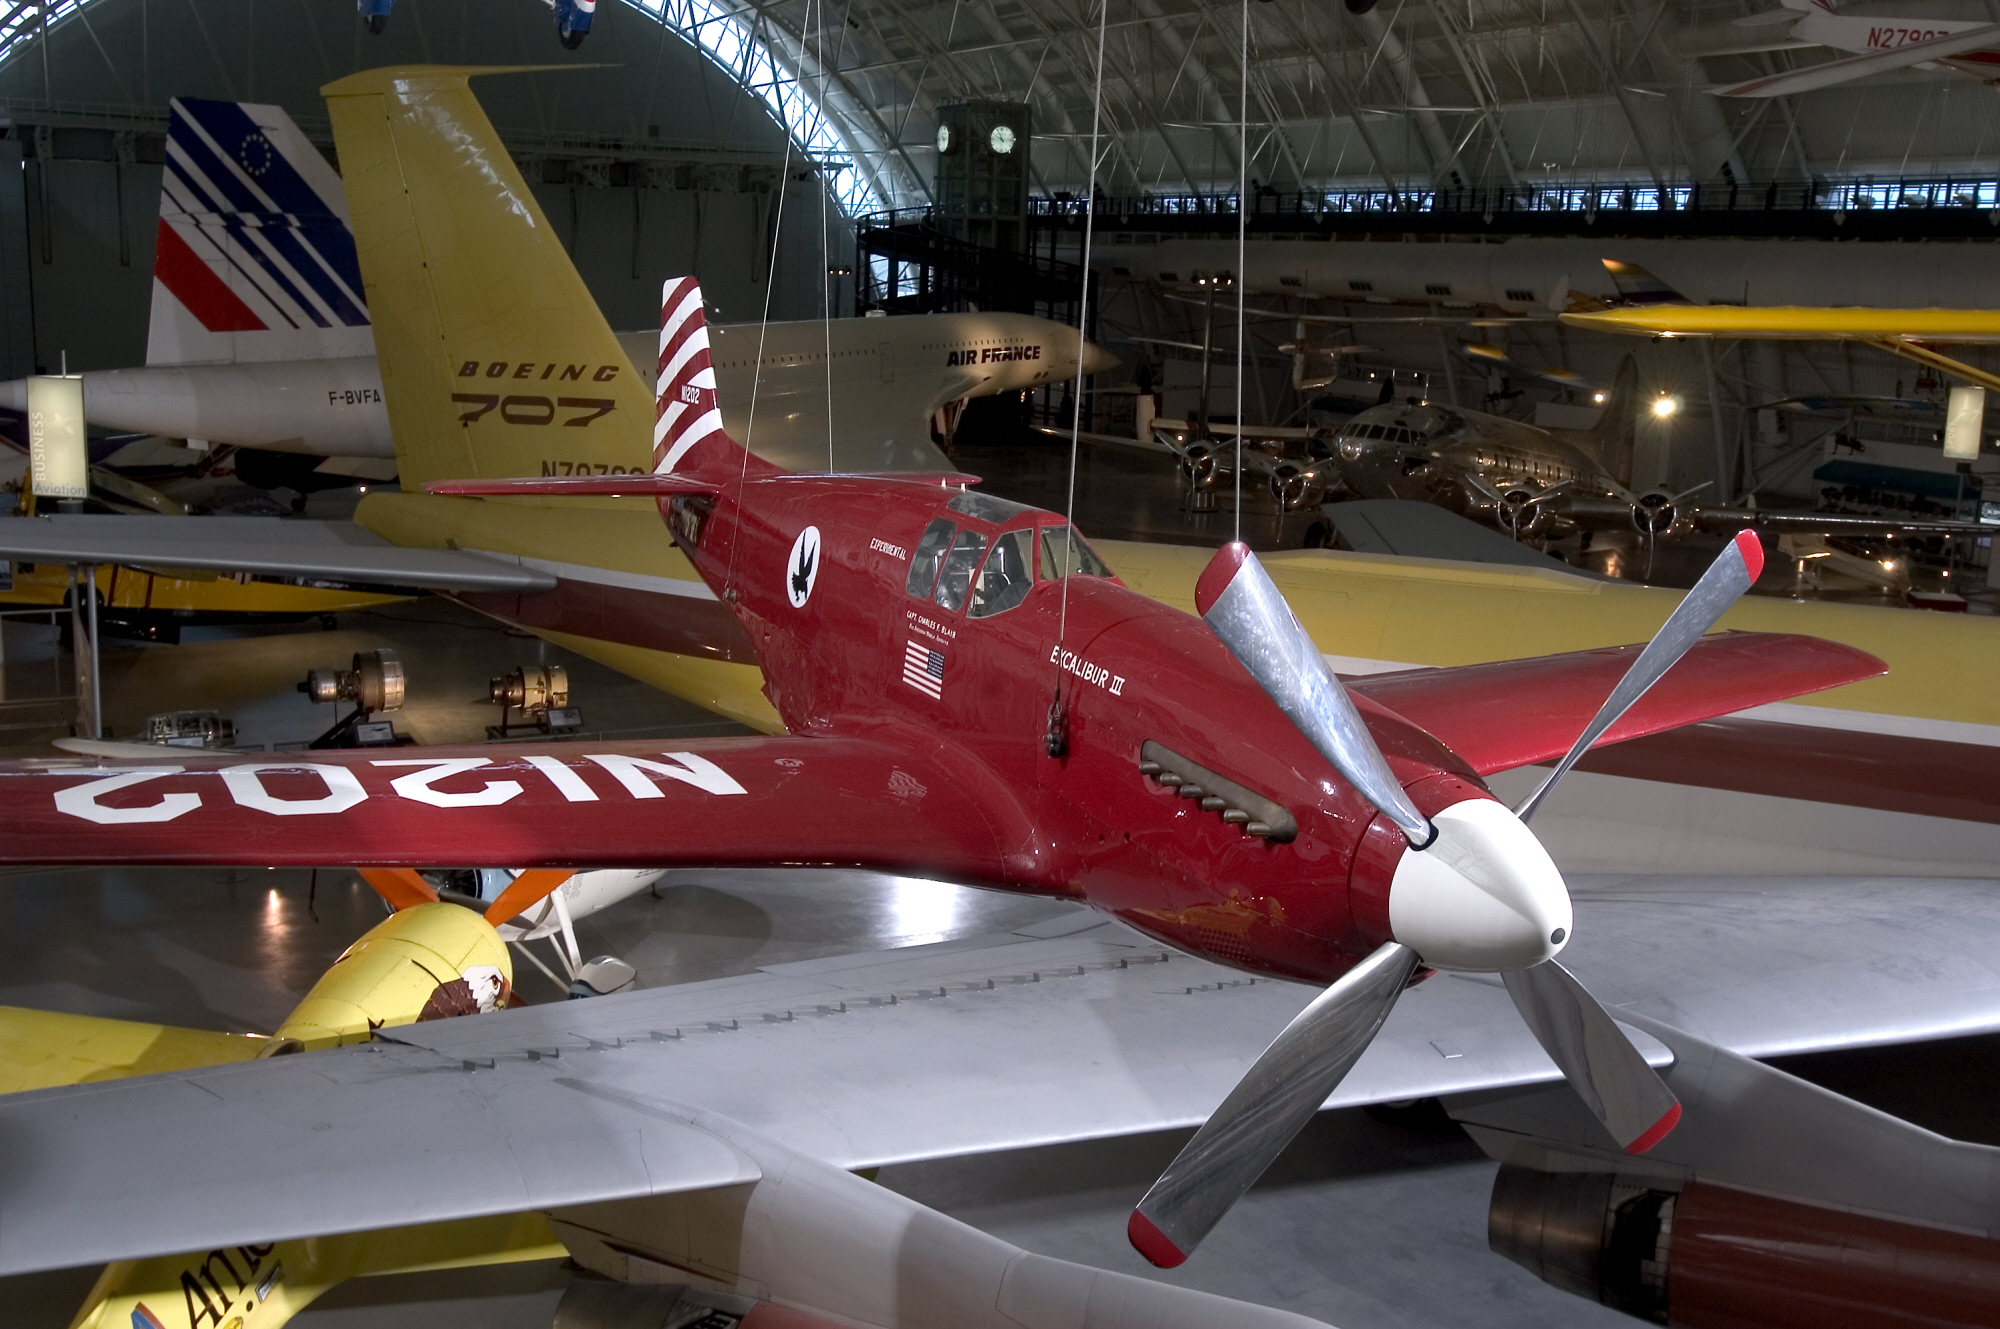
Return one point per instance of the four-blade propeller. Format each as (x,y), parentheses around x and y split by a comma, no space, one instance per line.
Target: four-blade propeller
(1475,891)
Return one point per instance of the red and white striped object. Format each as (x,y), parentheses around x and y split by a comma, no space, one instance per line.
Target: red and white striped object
(685,414)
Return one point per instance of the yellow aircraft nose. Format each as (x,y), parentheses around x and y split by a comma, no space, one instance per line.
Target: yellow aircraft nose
(1097,360)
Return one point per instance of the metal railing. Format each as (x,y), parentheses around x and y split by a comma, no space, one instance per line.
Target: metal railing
(1855,195)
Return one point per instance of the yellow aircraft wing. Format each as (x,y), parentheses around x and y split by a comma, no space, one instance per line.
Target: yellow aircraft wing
(1905,332)
(40,1049)
(1795,321)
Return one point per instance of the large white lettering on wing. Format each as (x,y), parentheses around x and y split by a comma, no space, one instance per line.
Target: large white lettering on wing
(246,786)
(632,772)
(567,782)
(81,800)
(418,787)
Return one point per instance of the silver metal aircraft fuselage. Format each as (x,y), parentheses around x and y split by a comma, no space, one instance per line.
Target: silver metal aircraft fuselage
(1521,479)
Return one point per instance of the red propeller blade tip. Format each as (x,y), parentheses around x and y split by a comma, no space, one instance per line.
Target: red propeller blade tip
(1752,549)
(1658,1132)
(1215,578)
(1152,1243)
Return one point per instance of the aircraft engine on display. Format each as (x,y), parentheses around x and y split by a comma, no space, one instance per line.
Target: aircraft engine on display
(1702,1253)
(374,683)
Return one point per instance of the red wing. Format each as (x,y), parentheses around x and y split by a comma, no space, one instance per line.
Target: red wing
(1522,712)
(668,802)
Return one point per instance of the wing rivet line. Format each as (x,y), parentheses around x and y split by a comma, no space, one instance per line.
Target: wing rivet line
(770,1018)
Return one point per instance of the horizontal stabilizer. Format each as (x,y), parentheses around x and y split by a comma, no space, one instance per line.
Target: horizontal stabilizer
(270,546)
(1526,712)
(577,486)
(1972,42)
(573,486)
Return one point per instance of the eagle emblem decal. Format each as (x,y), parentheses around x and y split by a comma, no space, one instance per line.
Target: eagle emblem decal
(802,569)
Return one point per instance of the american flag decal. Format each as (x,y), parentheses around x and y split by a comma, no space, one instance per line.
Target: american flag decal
(923,669)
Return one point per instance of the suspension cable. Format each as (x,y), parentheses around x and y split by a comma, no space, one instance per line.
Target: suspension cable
(1082,323)
(1242,233)
(763,328)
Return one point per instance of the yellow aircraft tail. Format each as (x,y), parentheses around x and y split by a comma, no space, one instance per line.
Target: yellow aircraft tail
(495,359)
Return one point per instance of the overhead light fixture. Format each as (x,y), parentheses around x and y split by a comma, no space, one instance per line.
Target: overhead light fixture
(1664,406)
(1597,397)
(1964,421)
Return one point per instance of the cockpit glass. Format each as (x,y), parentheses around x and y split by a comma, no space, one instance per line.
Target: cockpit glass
(956,579)
(1064,552)
(986,507)
(1007,575)
(930,549)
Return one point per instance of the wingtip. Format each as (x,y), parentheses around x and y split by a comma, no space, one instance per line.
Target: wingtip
(1654,1134)
(1221,571)
(1752,549)
(1152,1243)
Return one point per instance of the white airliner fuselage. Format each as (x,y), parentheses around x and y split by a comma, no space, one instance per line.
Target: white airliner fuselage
(875,376)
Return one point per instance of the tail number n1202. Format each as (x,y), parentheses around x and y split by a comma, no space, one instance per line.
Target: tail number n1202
(521,410)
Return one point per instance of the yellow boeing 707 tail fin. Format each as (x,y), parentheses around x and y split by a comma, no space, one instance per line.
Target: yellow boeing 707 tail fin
(495,358)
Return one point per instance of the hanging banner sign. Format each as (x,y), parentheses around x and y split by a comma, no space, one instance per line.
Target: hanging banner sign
(59,465)
(1964,421)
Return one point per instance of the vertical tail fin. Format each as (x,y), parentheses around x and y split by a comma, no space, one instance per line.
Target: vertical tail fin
(495,359)
(1636,286)
(1618,426)
(253,258)
(688,435)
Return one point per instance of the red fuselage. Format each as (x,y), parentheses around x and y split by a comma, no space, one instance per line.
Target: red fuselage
(964,665)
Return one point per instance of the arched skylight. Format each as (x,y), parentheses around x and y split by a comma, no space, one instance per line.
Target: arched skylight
(736,38)
(731,39)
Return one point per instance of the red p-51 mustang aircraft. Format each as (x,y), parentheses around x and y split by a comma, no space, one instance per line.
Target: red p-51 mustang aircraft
(971,695)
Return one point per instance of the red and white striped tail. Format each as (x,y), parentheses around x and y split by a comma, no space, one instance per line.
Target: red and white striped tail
(685,415)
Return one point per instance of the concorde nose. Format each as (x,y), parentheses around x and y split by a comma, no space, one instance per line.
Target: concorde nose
(1484,897)
(1097,360)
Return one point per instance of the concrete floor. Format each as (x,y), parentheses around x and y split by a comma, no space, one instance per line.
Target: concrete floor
(251,675)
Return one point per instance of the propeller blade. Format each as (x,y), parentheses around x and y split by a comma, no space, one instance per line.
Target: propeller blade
(401,887)
(1238,601)
(1269,1106)
(1732,573)
(525,892)
(1594,1055)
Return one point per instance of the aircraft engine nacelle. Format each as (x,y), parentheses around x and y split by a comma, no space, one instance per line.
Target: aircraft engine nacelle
(1522,514)
(1199,464)
(1292,485)
(426,962)
(1658,514)
(1711,1255)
